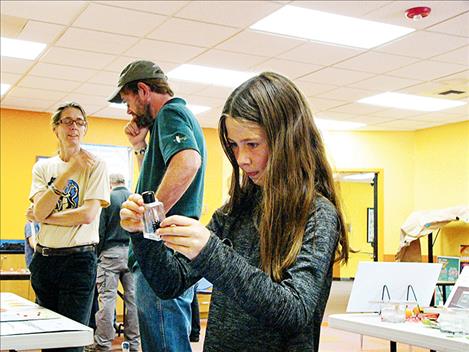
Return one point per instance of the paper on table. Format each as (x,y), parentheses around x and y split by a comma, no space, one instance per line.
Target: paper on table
(39,326)
(27,314)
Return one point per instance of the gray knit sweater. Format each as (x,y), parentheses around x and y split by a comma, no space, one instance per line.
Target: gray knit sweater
(248,311)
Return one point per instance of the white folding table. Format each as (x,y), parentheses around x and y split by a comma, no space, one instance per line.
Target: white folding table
(412,333)
(25,325)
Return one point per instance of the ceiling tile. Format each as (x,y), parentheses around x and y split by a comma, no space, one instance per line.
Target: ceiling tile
(458,56)
(396,113)
(438,116)
(91,110)
(311,88)
(372,119)
(320,54)
(62,12)
(203,100)
(48,95)
(161,7)
(321,104)
(85,39)
(10,78)
(191,32)
(405,125)
(234,13)
(216,92)
(12,65)
(384,83)
(63,85)
(427,88)
(357,109)
(185,87)
(394,12)
(257,43)
(86,99)
(62,72)
(423,44)
(106,78)
(346,8)
(336,76)
(122,61)
(56,55)
(287,68)
(25,103)
(117,20)
(457,26)
(458,78)
(164,51)
(41,32)
(329,115)
(376,62)
(427,70)
(346,93)
(98,90)
(109,112)
(227,60)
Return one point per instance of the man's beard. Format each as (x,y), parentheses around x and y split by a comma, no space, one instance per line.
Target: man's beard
(146,119)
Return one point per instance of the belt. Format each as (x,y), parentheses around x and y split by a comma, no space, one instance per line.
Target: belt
(46,251)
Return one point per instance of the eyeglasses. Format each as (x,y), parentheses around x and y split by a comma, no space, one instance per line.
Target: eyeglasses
(68,122)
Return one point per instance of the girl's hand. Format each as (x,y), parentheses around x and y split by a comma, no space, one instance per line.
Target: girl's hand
(185,235)
(132,213)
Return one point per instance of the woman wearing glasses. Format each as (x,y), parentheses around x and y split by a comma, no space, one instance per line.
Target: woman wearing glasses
(67,192)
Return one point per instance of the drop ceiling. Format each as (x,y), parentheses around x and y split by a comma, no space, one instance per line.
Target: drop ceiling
(89,43)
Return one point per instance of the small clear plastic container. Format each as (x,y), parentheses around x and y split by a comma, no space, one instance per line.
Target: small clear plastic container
(153,215)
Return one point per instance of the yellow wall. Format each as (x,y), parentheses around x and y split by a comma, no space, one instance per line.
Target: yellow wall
(442,180)
(356,198)
(26,134)
(426,169)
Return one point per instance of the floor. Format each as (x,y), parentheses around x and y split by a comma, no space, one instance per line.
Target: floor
(331,339)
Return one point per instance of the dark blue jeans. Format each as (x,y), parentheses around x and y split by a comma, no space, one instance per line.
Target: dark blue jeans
(65,284)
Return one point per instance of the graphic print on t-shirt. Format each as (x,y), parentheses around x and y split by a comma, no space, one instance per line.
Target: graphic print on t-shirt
(70,200)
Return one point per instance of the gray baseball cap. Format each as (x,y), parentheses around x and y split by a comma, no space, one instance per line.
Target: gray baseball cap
(137,70)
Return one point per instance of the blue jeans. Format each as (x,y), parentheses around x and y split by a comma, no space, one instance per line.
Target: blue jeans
(65,284)
(165,325)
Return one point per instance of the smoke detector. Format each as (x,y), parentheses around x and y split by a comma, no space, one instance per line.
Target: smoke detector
(417,13)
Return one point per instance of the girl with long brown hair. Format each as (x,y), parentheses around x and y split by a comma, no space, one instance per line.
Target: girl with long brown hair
(269,251)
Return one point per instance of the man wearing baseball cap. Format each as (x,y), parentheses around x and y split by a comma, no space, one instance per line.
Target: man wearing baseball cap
(172,164)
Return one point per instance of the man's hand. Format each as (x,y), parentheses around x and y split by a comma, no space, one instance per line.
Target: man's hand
(82,160)
(132,213)
(185,235)
(135,134)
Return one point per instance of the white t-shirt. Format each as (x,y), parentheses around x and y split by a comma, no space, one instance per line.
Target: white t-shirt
(87,184)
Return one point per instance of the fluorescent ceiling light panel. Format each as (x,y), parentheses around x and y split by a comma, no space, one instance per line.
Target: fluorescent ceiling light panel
(4,88)
(410,102)
(21,49)
(330,28)
(210,75)
(335,125)
(118,106)
(197,109)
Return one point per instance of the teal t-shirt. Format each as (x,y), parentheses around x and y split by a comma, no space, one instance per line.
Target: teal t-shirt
(175,129)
